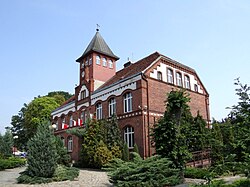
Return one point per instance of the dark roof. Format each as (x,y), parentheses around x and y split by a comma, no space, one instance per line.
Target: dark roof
(98,44)
(138,67)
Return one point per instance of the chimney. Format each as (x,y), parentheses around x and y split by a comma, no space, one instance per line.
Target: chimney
(127,64)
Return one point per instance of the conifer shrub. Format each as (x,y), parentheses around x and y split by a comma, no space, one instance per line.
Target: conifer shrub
(63,156)
(125,152)
(154,171)
(42,153)
(196,173)
(102,155)
(136,149)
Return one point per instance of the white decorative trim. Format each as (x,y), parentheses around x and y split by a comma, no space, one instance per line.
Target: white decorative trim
(116,90)
(64,110)
(83,88)
(81,105)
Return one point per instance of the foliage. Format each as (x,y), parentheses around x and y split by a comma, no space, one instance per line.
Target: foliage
(42,154)
(62,173)
(125,152)
(221,183)
(153,171)
(11,162)
(169,134)
(136,149)
(63,156)
(102,155)
(6,144)
(196,173)
(25,123)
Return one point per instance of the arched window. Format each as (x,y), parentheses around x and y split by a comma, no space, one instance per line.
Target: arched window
(98,111)
(70,144)
(71,121)
(104,61)
(129,136)
(178,79)
(83,94)
(98,59)
(187,82)
(90,60)
(83,117)
(159,75)
(56,122)
(110,64)
(86,62)
(195,87)
(127,98)
(112,107)
(63,121)
(170,76)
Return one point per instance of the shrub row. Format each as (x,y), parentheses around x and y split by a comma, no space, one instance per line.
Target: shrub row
(197,173)
(221,183)
(62,173)
(11,162)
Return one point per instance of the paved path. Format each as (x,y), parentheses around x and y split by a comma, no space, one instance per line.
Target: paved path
(87,178)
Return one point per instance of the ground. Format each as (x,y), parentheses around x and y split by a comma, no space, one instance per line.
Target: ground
(87,177)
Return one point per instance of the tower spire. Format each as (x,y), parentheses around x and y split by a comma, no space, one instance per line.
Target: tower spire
(97,27)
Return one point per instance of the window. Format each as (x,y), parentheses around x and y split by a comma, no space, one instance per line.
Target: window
(110,64)
(178,79)
(90,60)
(56,124)
(129,136)
(187,82)
(170,76)
(112,107)
(71,121)
(195,87)
(99,111)
(98,60)
(82,64)
(63,141)
(104,62)
(86,62)
(128,102)
(83,94)
(63,122)
(159,75)
(70,144)
(83,117)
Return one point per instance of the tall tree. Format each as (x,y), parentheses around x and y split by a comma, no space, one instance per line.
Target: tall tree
(6,144)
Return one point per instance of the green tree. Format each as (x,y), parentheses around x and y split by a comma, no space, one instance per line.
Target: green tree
(66,95)
(63,156)
(169,134)
(42,159)
(6,144)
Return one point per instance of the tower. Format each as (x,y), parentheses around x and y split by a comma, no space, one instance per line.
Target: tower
(97,65)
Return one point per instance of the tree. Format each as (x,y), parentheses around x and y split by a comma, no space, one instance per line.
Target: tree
(6,144)
(66,95)
(169,133)
(42,159)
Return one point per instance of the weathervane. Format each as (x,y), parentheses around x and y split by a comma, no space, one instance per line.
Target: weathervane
(97,27)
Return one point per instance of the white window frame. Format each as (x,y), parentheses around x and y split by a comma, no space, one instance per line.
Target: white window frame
(104,61)
(110,64)
(170,76)
(187,81)
(178,79)
(63,122)
(127,100)
(129,136)
(112,107)
(99,111)
(70,143)
(98,59)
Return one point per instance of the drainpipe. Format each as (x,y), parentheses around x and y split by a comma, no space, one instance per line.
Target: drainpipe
(147,110)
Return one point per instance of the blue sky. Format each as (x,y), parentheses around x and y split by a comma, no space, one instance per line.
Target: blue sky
(40,41)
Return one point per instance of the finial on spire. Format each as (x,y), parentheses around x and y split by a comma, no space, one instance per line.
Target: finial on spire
(97,27)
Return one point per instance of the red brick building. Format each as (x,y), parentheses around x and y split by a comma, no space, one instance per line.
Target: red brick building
(136,94)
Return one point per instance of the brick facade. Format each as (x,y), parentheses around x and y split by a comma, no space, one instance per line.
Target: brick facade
(141,79)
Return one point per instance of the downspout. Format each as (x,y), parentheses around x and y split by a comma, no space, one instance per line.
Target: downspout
(147,110)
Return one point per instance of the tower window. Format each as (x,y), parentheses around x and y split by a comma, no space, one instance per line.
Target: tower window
(159,75)
(104,62)
(129,136)
(98,60)
(112,107)
(178,79)
(170,76)
(110,64)
(187,82)
(99,111)
(83,94)
(127,102)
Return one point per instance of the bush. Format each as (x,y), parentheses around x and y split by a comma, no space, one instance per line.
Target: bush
(62,173)
(221,183)
(102,155)
(197,173)
(153,171)
(11,163)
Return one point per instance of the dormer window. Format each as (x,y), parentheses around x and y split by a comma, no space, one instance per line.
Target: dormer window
(187,82)
(83,94)
(98,59)
(159,75)
(104,62)
(195,87)
(178,79)
(110,64)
